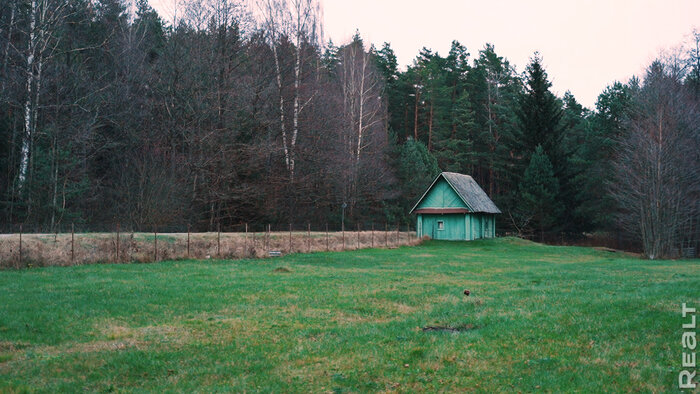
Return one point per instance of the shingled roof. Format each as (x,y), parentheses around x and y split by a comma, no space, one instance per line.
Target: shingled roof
(468,190)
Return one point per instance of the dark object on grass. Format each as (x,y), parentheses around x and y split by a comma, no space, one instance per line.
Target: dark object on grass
(467,292)
(465,327)
(282,270)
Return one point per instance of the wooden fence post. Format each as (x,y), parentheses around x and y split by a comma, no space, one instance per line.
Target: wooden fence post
(188,240)
(372,236)
(327,246)
(290,238)
(343,229)
(245,241)
(72,242)
(398,234)
(218,240)
(117,242)
(266,242)
(386,235)
(19,263)
(155,243)
(358,235)
(253,241)
(308,238)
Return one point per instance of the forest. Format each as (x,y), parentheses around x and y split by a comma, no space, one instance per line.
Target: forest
(242,112)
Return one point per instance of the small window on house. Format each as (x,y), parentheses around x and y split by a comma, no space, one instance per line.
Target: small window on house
(441,225)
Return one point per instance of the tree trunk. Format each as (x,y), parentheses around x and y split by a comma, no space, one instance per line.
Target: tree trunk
(54,192)
(361,114)
(430,128)
(415,117)
(7,49)
(28,108)
(295,131)
(491,175)
(278,72)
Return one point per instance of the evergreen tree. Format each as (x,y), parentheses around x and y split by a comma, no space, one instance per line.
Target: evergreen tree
(542,123)
(454,149)
(578,143)
(417,167)
(387,63)
(539,190)
(330,58)
(540,115)
(494,90)
(453,143)
(456,70)
(398,89)
(431,105)
(597,148)
(150,26)
(692,80)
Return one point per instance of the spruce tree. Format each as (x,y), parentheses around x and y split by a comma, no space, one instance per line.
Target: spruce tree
(538,192)
(578,145)
(542,124)
(606,125)
(540,114)
(398,88)
(416,169)
(330,58)
(453,147)
(453,143)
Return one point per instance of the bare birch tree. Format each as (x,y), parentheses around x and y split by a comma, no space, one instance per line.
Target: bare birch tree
(44,18)
(363,107)
(657,170)
(299,21)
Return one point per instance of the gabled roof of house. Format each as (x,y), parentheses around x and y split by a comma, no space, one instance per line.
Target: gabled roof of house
(468,190)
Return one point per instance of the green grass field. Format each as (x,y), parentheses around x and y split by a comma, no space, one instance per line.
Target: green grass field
(539,318)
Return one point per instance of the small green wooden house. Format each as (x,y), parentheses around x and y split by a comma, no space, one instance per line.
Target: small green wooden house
(455,208)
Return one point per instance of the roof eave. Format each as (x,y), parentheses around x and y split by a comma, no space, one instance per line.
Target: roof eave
(457,192)
(426,192)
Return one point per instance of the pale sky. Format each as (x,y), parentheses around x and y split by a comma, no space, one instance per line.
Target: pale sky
(585,44)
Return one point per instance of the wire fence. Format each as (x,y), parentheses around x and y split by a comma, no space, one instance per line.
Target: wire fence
(26,246)
(614,240)
(20,249)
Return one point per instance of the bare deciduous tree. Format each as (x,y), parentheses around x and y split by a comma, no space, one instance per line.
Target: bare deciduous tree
(44,19)
(657,179)
(363,109)
(299,21)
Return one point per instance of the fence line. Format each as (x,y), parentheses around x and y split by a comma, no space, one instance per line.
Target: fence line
(24,250)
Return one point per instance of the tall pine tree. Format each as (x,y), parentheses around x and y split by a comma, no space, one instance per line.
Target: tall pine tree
(542,127)
(494,89)
(540,115)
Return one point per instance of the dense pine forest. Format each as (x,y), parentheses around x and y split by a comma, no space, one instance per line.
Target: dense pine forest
(243,113)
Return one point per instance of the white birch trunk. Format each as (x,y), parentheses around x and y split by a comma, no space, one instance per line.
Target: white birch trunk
(279,87)
(298,19)
(361,115)
(28,110)
(295,123)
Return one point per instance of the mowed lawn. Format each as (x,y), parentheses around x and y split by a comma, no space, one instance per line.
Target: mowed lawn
(538,318)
